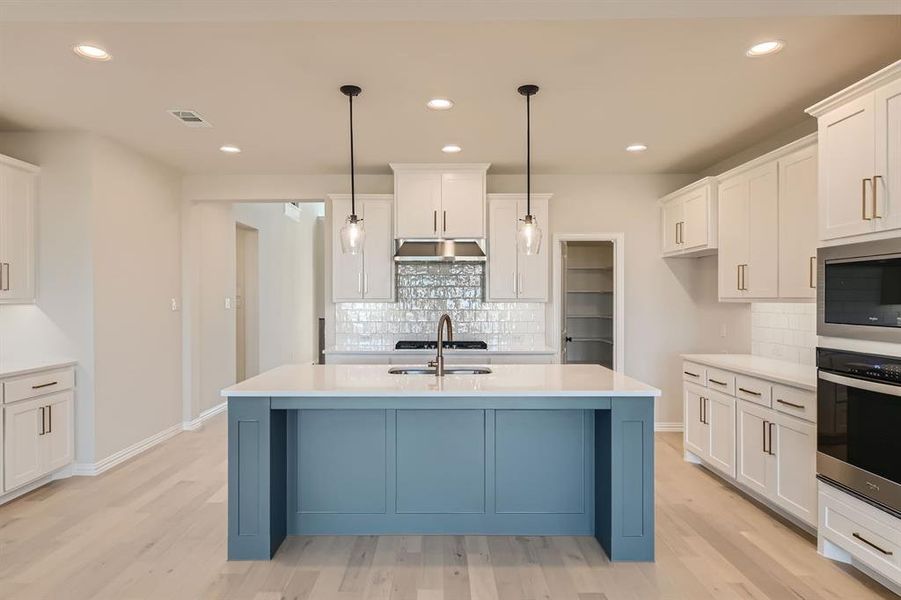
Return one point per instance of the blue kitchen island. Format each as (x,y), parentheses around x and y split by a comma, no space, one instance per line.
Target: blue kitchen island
(524,450)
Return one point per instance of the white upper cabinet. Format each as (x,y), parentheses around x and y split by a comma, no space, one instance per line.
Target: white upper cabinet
(860,153)
(370,274)
(797,236)
(688,220)
(767,227)
(18,191)
(513,275)
(439,201)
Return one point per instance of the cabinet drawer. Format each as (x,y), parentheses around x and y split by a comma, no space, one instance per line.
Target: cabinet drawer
(721,381)
(794,401)
(694,372)
(754,390)
(38,384)
(855,531)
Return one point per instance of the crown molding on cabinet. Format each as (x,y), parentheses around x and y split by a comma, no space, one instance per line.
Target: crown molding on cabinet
(439,167)
(855,90)
(807,140)
(691,186)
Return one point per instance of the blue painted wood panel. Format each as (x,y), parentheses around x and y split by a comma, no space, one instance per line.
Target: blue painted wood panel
(341,461)
(440,461)
(540,461)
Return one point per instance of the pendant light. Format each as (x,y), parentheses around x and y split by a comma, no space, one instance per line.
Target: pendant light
(529,234)
(352,233)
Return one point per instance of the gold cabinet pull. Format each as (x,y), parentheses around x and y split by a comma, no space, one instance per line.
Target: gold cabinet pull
(876,214)
(871,544)
(764,437)
(787,403)
(770,427)
(811,281)
(738,277)
(863,199)
(747,391)
(435,220)
(43,385)
(445,221)
(691,374)
(43,426)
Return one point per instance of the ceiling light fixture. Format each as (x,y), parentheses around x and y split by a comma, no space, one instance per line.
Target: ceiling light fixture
(764,48)
(529,234)
(229,149)
(451,149)
(440,104)
(636,148)
(352,233)
(91,52)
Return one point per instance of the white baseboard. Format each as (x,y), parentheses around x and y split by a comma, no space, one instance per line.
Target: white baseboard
(205,415)
(662,426)
(91,469)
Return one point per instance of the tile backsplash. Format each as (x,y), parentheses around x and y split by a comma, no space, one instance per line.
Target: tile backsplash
(784,330)
(425,291)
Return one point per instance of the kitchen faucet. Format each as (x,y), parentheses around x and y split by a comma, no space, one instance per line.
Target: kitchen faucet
(438,363)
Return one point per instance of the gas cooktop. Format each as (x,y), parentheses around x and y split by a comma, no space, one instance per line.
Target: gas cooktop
(433,345)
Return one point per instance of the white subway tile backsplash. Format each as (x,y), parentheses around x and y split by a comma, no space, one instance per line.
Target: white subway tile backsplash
(784,330)
(425,291)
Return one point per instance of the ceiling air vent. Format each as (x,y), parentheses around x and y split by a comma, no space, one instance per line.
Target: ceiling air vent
(190,118)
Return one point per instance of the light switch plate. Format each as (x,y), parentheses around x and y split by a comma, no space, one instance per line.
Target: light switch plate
(228,302)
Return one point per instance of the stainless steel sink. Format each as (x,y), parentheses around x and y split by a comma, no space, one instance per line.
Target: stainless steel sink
(464,370)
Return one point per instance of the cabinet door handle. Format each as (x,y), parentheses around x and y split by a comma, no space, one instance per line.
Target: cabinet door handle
(871,544)
(747,391)
(876,214)
(49,418)
(770,427)
(738,277)
(813,268)
(689,373)
(764,423)
(716,382)
(701,409)
(360,283)
(435,221)
(43,385)
(365,283)
(744,277)
(4,281)
(43,423)
(787,403)
(863,199)
(444,221)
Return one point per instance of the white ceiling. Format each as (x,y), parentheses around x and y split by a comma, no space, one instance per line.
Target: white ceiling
(682,86)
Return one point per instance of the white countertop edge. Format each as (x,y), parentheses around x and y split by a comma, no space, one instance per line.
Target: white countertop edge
(34,366)
(771,369)
(653,393)
(448,352)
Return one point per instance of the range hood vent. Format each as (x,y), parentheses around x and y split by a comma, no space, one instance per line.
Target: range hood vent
(439,251)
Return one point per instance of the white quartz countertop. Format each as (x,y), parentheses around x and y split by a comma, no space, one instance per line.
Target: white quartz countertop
(447,352)
(504,380)
(12,368)
(780,371)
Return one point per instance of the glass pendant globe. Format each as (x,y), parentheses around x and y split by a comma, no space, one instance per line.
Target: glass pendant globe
(352,235)
(529,236)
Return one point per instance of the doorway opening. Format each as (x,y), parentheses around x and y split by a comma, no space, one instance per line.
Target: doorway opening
(247,285)
(588,284)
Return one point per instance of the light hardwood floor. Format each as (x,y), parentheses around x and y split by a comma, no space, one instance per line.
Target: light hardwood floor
(155,528)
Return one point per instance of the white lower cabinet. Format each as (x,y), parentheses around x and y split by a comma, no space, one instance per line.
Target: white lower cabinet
(766,451)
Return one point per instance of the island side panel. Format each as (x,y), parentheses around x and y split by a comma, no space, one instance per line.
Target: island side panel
(624,479)
(257,487)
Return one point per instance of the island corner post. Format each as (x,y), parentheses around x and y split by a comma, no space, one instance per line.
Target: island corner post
(615,503)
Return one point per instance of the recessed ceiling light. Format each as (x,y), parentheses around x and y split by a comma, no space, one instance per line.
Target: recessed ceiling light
(229,149)
(91,52)
(636,148)
(440,104)
(451,149)
(764,48)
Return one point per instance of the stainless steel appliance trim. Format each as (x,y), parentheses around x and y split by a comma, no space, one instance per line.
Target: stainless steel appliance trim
(863,251)
(869,485)
(863,384)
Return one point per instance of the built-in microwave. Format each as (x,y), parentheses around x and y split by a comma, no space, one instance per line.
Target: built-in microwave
(859,291)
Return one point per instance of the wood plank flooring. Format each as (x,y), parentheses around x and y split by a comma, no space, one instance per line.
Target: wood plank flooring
(155,528)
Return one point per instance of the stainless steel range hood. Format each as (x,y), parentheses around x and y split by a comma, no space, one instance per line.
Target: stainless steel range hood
(439,251)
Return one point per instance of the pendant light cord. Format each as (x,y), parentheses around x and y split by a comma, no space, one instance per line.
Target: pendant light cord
(353,208)
(528,156)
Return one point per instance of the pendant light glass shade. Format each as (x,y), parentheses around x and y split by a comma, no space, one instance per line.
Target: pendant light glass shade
(352,235)
(529,236)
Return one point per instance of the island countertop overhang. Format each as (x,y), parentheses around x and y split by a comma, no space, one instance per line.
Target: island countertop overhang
(374,381)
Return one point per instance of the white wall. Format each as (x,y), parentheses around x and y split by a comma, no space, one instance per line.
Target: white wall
(287,318)
(137,272)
